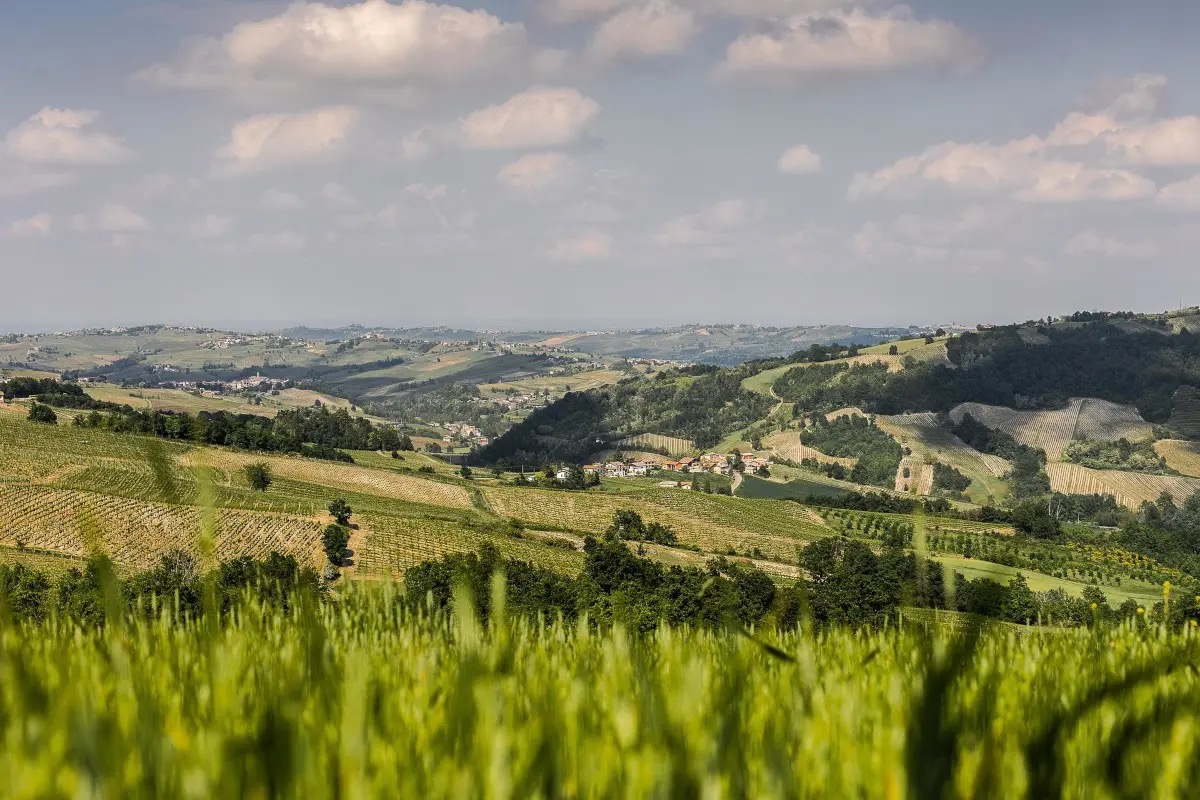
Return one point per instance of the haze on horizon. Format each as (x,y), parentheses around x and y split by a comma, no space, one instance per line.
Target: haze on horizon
(594,163)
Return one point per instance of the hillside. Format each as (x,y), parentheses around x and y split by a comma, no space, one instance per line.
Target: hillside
(67,491)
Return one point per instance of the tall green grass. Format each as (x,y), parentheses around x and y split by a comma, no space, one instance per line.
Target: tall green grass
(358,698)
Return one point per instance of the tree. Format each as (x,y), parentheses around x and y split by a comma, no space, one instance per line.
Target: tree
(763,471)
(893,350)
(259,476)
(465,471)
(340,511)
(334,541)
(405,443)
(40,412)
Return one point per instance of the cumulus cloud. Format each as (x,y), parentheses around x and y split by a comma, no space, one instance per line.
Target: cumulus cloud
(62,137)
(1089,155)
(535,172)
(593,245)
(570,11)
(1181,196)
(540,117)
(35,226)
(1093,243)
(800,160)
(270,140)
(654,29)
(710,226)
(375,41)
(416,145)
(820,45)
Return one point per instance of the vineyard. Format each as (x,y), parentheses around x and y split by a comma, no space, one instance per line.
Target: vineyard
(1052,431)
(394,544)
(673,445)
(1181,456)
(914,475)
(137,533)
(1130,489)
(787,444)
(712,523)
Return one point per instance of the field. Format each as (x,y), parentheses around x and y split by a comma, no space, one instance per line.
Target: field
(673,445)
(1130,489)
(971,568)
(914,475)
(357,700)
(1053,430)
(788,445)
(927,439)
(1181,456)
(798,489)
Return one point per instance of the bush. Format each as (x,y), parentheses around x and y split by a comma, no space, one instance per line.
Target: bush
(340,511)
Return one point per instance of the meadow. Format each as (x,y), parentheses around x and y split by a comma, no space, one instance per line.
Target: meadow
(360,698)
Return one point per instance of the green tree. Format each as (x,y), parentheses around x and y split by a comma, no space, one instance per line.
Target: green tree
(40,412)
(340,511)
(259,476)
(465,471)
(333,542)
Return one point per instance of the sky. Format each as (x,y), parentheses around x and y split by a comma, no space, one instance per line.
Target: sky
(595,163)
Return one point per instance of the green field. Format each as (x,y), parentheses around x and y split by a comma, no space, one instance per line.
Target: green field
(796,489)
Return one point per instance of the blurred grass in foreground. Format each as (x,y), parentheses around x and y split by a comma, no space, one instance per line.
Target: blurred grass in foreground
(358,698)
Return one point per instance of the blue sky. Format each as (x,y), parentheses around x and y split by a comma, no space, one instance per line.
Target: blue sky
(574,163)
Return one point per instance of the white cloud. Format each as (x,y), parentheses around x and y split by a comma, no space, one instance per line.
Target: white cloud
(535,172)
(61,137)
(376,41)
(1093,243)
(116,218)
(212,226)
(710,226)
(593,245)
(1181,196)
(278,200)
(654,29)
(1085,157)
(540,117)
(281,241)
(269,140)
(800,160)
(37,225)
(841,43)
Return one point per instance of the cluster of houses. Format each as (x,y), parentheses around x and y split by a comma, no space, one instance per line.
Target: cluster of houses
(619,469)
(465,432)
(709,463)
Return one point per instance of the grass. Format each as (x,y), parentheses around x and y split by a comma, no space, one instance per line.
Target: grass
(354,699)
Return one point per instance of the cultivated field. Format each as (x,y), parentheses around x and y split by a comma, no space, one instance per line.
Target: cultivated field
(919,479)
(926,438)
(1053,430)
(674,445)
(1130,489)
(1182,456)
(788,445)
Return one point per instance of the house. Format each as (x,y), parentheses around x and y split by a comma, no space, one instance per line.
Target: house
(637,470)
(614,469)
(562,474)
(672,466)
(686,463)
(592,469)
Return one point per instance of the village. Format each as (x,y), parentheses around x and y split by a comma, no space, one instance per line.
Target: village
(707,464)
